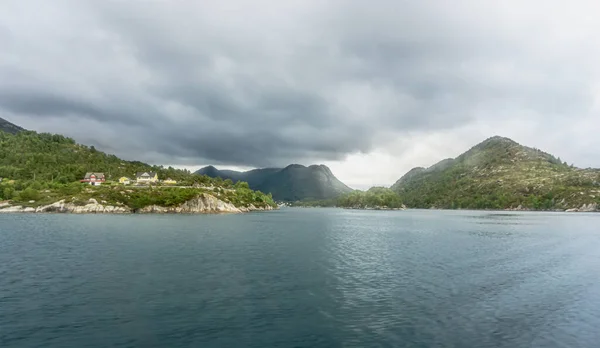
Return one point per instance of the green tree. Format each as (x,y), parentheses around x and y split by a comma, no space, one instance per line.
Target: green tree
(28,194)
(8,193)
(242,185)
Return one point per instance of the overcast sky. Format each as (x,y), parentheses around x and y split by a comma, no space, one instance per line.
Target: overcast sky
(370,88)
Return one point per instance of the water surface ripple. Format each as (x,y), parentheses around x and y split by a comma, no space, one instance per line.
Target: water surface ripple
(301,278)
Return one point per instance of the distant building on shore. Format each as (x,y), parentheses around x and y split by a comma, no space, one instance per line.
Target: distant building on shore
(146,177)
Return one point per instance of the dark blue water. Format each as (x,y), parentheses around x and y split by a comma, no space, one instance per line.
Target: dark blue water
(301,278)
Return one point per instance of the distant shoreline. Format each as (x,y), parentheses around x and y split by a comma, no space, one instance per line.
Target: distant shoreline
(445,209)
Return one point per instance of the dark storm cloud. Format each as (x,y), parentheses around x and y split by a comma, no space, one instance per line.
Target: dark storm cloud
(29,102)
(274,82)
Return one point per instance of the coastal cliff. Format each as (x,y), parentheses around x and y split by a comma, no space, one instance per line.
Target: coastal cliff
(202,204)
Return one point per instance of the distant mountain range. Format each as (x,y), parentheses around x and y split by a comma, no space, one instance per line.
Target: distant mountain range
(8,127)
(292,183)
(497,174)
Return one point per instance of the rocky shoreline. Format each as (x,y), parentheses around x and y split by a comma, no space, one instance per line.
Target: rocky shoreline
(585,208)
(374,208)
(203,204)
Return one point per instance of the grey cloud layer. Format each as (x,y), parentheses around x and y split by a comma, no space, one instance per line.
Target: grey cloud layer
(270,83)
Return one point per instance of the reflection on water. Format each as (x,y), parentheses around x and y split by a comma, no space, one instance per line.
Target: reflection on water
(301,277)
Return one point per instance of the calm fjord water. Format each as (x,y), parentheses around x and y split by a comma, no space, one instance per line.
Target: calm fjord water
(301,278)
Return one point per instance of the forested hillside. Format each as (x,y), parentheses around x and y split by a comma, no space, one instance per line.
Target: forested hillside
(52,157)
(497,174)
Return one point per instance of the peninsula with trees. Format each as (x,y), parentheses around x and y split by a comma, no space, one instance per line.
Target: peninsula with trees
(42,172)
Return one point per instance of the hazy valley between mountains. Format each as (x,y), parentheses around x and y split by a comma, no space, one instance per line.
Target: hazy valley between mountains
(43,172)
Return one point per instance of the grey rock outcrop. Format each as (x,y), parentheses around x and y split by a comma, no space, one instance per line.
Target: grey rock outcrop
(92,207)
(589,208)
(62,207)
(251,207)
(585,208)
(519,208)
(203,204)
(12,209)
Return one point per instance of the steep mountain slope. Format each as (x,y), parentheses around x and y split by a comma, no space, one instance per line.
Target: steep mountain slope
(500,173)
(253,177)
(292,183)
(8,127)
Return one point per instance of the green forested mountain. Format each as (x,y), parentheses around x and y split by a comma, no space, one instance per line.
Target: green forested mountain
(42,156)
(8,127)
(254,177)
(292,183)
(499,173)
